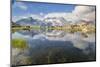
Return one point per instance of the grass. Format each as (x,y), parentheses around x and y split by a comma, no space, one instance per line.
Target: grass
(35,27)
(19,43)
(14,29)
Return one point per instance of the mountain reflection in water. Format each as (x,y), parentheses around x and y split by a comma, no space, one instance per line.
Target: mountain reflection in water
(53,46)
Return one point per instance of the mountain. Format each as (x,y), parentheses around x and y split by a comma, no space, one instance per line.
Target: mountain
(55,19)
(14,24)
(29,21)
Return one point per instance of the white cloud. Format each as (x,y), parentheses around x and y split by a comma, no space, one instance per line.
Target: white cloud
(55,14)
(23,7)
(82,9)
(89,16)
(86,13)
(20,5)
(42,14)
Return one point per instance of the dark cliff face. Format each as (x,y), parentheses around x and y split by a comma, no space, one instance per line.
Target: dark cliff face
(14,24)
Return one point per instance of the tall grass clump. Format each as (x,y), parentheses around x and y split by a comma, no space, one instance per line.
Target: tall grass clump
(19,43)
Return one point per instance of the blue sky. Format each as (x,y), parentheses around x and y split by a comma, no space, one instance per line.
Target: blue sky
(25,8)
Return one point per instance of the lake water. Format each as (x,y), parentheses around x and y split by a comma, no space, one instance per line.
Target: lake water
(53,46)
